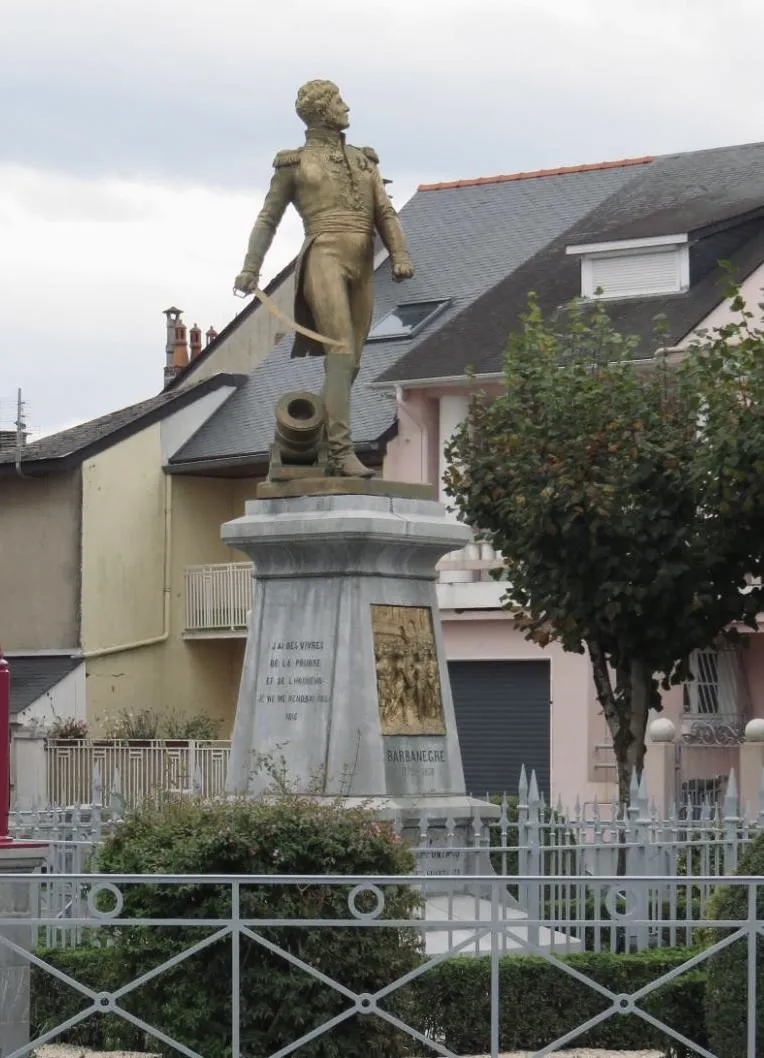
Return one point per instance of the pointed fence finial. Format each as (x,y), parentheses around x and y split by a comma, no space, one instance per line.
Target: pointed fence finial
(522,786)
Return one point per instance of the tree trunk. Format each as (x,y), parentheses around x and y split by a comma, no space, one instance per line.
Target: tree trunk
(625,707)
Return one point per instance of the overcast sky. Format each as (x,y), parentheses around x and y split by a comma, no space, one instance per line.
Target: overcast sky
(136,141)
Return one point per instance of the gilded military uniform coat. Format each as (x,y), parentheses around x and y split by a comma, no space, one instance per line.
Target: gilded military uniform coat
(339,193)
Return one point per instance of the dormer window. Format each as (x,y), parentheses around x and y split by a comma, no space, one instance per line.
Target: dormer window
(634,268)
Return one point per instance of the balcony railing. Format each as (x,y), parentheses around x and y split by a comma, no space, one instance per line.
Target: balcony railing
(472,563)
(219,596)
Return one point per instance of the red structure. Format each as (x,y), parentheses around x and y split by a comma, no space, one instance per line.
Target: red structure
(6,841)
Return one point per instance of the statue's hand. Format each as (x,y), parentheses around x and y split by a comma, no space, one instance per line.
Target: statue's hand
(246,282)
(403,268)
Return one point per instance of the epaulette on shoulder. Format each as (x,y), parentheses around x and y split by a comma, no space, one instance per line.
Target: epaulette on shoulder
(285,158)
(371,153)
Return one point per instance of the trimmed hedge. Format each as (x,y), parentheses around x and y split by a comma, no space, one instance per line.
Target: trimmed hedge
(540,1003)
(727,989)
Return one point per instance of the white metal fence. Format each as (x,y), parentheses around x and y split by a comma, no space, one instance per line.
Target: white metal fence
(527,840)
(256,921)
(218,597)
(141,768)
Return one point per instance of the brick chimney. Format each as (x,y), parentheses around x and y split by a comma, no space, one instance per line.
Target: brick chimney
(195,340)
(211,335)
(176,350)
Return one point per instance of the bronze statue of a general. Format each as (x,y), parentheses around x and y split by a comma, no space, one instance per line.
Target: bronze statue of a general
(340,196)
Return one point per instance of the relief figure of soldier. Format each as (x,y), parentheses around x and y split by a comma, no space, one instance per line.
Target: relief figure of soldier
(339,193)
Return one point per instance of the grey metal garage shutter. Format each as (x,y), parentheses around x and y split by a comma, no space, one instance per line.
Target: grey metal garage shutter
(503,719)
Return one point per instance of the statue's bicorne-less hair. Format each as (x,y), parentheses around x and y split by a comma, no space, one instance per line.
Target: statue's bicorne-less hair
(313,99)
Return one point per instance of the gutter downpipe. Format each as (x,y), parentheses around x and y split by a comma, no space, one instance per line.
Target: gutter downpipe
(166,589)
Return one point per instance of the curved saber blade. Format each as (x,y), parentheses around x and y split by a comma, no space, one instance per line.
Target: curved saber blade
(293,325)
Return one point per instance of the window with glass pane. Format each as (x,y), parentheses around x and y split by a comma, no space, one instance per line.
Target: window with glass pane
(701,696)
(405,320)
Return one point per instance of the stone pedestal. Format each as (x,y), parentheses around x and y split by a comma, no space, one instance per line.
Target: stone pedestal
(752,770)
(661,765)
(345,686)
(345,689)
(15,910)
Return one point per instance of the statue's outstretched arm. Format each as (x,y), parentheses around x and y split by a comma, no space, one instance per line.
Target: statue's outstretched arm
(389,227)
(276,201)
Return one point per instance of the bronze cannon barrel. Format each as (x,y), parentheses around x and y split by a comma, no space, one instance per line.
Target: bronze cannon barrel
(299,426)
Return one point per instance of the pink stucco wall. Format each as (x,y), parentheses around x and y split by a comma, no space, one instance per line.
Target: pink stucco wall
(751,289)
(413,454)
(753,660)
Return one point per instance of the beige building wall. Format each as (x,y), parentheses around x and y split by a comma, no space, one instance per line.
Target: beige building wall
(141,530)
(198,674)
(250,342)
(39,559)
(123,598)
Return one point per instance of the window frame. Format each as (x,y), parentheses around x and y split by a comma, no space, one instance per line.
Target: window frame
(438,306)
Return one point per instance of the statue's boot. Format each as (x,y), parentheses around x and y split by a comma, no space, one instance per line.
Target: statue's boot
(340,372)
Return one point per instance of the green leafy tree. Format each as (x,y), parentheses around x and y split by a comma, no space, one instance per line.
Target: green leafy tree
(614,488)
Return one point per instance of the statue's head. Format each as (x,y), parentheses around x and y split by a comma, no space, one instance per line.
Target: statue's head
(320,103)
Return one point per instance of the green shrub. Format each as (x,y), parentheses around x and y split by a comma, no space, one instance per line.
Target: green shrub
(52,1001)
(727,991)
(279,1002)
(540,1003)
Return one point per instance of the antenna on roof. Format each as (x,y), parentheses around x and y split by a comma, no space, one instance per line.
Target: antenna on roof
(21,430)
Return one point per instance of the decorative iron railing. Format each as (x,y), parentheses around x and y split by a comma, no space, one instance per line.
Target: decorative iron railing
(252,924)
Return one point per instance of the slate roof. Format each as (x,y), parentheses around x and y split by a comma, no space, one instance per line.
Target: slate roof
(464,240)
(716,195)
(60,450)
(33,675)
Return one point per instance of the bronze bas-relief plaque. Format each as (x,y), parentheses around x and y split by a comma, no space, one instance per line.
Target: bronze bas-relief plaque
(408,677)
